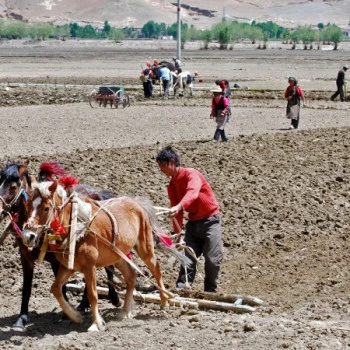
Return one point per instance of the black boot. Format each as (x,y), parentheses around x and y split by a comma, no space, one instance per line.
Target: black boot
(223,136)
(217,135)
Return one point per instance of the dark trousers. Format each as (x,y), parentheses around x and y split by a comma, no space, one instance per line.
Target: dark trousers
(295,123)
(147,89)
(204,237)
(340,91)
(166,87)
(220,133)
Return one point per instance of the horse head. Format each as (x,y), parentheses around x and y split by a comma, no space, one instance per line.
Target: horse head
(15,184)
(156,68)
(46,207)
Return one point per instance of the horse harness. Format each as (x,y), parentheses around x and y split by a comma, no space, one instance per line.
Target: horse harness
(54,230)
(11,210)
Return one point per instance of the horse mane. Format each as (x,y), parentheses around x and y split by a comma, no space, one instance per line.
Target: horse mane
(11,173)
(85,190)
(43,189)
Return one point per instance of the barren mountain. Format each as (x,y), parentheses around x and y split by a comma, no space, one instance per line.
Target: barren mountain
(200,13)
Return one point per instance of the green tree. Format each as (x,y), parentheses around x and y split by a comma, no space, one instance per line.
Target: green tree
(87,32)
(295,36)
(74,28)
(254,34)
(207,37)
(149,29)
(15,30)
(106,29)
(223,32)
(236,31)
(286,35)
(274,30)
(184,37)
(116,34)
(44,31)
(193,33)
(62,31)
(333,34)
(306,34)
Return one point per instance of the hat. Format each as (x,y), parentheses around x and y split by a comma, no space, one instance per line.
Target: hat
(216,89)
(346,66)
(293,79)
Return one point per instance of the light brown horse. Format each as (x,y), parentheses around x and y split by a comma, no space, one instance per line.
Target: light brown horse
(108,230)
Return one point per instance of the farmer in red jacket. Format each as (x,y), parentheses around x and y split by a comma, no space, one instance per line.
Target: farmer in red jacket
(189,191)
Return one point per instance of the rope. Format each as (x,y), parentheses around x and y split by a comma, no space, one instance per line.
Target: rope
(117,251)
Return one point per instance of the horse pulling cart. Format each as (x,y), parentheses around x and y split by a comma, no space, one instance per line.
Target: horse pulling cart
(114,96)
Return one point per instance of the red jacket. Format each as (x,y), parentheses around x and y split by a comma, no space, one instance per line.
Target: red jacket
(190,188)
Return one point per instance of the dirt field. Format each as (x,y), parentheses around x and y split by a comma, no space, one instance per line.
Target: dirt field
(284,194)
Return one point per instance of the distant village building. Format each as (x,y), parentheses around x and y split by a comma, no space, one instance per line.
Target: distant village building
(167,37)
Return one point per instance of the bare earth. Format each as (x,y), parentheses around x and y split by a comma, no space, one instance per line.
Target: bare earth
(284,194)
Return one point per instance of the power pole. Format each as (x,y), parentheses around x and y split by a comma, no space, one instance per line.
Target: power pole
(178,53)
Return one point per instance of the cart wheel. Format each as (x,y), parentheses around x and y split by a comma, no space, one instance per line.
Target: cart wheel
(94,101)
(126,101)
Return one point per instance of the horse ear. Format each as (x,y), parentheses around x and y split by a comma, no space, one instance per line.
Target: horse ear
(22,170)
(53,187)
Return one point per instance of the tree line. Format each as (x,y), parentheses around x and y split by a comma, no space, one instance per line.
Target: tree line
(224,32)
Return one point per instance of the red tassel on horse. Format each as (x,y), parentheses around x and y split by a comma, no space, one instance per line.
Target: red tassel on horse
(51,168)
(56,226)
(165,239)
(68,181)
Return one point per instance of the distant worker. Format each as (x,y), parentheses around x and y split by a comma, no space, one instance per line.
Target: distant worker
(155,64)
(226,91)
(166,78)
(293,95)
(225,87)
(146,78)
(341,83)
(219,112)
(177,64)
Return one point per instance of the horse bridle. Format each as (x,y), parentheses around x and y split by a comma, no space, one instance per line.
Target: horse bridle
(41,229)
(8,206)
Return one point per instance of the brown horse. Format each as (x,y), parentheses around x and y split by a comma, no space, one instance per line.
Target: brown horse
(15,188)
(107,231)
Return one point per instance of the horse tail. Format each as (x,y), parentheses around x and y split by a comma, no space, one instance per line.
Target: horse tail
(161,239)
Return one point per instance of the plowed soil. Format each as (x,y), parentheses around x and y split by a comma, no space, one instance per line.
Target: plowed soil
(284,194)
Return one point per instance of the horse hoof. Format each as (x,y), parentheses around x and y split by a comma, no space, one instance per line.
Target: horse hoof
(76,317)
(93,328)
(114,298)
(21,323)
(164,305)
(127,315)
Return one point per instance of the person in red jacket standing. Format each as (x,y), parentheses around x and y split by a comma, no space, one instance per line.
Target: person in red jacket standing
(189,191)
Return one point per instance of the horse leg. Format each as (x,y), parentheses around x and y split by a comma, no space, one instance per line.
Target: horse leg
(150,260)
(90,283)
(129,276)
(56,289)
(112,294)
(28,272)
(55,265)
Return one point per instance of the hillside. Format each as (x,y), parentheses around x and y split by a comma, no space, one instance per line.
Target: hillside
(200,13)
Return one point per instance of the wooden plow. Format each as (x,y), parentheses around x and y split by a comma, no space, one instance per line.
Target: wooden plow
(234,303)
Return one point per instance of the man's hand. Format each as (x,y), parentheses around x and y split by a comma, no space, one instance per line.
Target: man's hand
(175,210)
